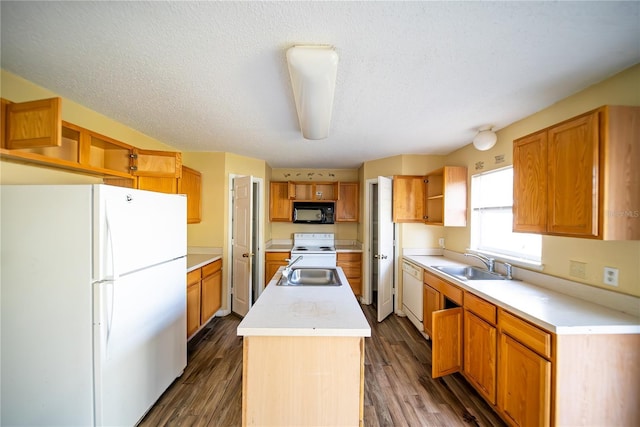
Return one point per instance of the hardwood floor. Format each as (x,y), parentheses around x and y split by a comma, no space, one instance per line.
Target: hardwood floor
(399,390)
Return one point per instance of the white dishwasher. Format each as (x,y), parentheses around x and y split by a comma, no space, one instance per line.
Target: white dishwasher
(412,293)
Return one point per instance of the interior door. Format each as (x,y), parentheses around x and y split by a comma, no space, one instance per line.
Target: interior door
(385,254)
(241,247)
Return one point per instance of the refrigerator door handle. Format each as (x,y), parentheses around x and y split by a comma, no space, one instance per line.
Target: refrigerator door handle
(111,243)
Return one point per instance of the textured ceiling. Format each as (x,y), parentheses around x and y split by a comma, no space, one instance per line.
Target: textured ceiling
(413,77)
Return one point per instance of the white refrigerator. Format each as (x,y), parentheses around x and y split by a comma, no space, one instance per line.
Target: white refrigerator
(93,299)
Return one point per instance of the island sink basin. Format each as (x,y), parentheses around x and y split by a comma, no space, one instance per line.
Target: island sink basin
(311,277)
(470,273)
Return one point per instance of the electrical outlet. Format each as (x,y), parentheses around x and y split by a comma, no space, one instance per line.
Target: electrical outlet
(610,276)
(578,269)
(441,242)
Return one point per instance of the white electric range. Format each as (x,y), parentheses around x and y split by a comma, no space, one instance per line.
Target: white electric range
(316,249)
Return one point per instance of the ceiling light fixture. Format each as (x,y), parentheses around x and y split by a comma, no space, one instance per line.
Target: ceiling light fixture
(485,139)
(313,72)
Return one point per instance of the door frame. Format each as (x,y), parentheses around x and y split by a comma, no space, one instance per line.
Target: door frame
(366,249)
(259,251)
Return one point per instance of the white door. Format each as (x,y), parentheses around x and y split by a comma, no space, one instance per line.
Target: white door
(385,249)
(241,248)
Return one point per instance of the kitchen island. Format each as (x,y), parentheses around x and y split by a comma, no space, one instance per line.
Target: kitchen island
(303,356)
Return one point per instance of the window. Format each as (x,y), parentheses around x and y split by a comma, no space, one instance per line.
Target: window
(492,219)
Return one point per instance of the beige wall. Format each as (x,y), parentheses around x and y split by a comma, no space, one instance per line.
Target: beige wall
(621,89)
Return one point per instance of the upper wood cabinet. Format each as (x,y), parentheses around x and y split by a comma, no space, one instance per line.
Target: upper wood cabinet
(345,194)
(279,202)
(580,178)
(191,185)
(156,163)
(33,124)
(347,206)
(313,191)
(446,197)
(408,198)
(439,198)
(34,132)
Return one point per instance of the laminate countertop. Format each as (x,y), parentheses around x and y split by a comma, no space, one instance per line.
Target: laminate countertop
(553,311)
(306,311)
(195,261)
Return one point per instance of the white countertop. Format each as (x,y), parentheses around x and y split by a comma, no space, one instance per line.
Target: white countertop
(306,311)
(198,260)
(553,311)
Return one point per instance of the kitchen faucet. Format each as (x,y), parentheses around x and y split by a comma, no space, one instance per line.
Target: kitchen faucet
(287,269)
(489,262)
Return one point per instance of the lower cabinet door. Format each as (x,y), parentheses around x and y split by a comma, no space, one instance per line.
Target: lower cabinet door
(524,384)
(446,342)
(480,347)
(193,308)
(211,296)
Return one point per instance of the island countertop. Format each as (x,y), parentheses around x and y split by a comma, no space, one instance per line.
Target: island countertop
(306,311)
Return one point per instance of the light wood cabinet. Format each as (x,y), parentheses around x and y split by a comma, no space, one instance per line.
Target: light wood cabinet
(524,376)
(347,206)
(345,195)
(313,191)
(531,375)
(211,293)
(446,197)
(578,178)
(430,304)
(446,326)
(480,345)
(272,262)
(204,295)
(351,263)
(35,133)
(193,301)
(191,185)
(408,198)
(279,202)
(438,198)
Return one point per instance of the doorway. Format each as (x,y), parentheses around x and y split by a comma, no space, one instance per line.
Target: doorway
(380,247)
(245,249)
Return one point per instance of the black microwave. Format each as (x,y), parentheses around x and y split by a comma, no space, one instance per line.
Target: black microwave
(313,212)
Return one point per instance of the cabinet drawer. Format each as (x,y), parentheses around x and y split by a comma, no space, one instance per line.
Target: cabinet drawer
(211,268)
(194,276)
(483,309)
(349,256)
(450,291)
(531,336)
(277,256)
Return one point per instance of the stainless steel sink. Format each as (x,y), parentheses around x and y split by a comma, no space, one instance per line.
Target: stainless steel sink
(311,277)
(470,273)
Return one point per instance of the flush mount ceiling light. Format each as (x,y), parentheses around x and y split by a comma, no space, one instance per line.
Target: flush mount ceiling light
(313,72)
(485,139)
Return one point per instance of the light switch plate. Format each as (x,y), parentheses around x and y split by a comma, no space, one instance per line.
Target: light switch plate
(610,276)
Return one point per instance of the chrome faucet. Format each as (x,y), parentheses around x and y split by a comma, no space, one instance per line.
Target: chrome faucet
(489,262)
(287,269)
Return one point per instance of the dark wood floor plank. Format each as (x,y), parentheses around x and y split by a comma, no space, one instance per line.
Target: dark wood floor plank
(399,390)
